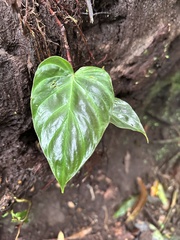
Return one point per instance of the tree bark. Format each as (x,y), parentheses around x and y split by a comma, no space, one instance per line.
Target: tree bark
(137,42)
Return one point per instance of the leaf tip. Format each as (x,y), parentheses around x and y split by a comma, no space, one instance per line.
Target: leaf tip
(147,139)
(62,187)
(144,133)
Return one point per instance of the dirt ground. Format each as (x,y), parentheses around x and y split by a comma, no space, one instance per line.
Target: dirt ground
(85,210)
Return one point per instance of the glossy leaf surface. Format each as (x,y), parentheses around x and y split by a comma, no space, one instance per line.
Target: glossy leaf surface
(123,116)
(70,113)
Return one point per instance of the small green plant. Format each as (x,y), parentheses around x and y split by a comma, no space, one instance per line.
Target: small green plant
(71,111)
(21,217)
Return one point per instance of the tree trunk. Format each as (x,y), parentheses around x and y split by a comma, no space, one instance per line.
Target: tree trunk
(136,41)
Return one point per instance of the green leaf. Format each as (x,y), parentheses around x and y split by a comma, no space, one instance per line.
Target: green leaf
(162,196)
(70,113)
(18,216)
(123,116)
(5,214)
(156,234)
(126,205)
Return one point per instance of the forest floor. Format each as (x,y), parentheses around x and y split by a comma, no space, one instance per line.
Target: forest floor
(108,179)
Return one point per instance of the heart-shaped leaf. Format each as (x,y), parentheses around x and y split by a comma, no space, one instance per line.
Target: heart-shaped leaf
(123,116)
(70,113)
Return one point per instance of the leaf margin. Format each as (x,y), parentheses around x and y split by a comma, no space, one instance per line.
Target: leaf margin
(122,109)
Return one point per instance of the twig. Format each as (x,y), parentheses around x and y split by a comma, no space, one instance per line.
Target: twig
(151,218)
(97,13)
(173,140)
(105,217)
(162,121)
(29,207)
(48,185)
(62,29)
(77,25)
(25,217)
(90,10)
(7,29)
(82,36)
(102,60)
(170,162)
(18,231)
(44,38)
(169,214)
(26,13)
(141,201)
(91,192)
(63,33)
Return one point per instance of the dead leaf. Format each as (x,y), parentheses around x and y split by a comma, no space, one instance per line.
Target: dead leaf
(110,193)
(154,188)
(162,196)
(81,234)
(60,236)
